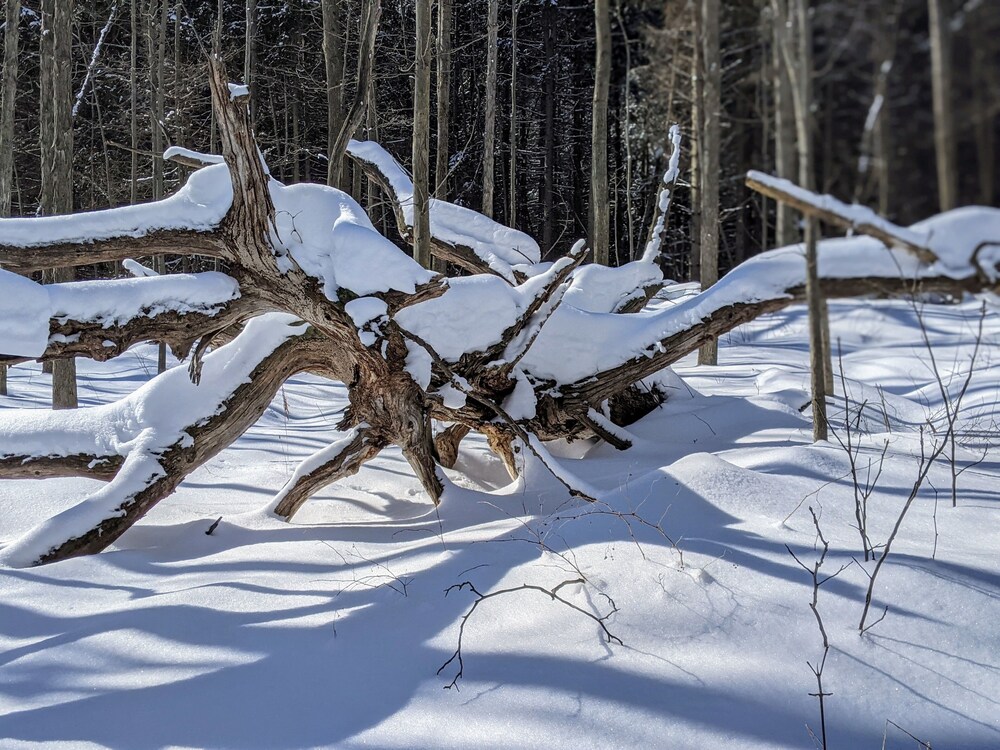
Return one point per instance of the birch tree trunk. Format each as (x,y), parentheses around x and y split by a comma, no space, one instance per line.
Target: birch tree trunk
(490,116)
(710,142)
(422,135)
(56,135)
(599,209)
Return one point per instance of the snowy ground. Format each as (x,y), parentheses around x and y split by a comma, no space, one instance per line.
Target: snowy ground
(329,631)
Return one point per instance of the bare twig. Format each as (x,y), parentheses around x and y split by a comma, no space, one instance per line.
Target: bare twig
(552,593)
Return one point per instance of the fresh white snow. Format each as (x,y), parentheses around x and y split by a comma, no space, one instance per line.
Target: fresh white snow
(327,632)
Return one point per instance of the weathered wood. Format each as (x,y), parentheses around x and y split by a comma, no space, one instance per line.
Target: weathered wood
(346,462)
(887,234)
(30,258)
(199,444)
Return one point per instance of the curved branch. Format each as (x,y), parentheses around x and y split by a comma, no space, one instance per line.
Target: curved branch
(328,465)
(174,428)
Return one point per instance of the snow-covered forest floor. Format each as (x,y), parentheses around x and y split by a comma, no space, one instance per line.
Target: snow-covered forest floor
(330,631)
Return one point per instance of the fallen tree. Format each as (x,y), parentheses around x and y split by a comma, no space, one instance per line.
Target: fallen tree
(520,351)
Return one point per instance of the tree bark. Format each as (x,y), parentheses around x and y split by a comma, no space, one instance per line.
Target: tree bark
(512,177)
(422,136)
(941,87)
(8,93)
(442,166)
(710,143)
(785,156)
(56,131)
(818,342)
(490,108)
(333,57)
(599,207)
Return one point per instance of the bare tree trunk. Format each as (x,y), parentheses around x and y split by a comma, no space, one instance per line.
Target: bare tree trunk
(785,158)
(250,54)
(333,56)
(8,94)
(548,197)
(422,136)
(697,98)
(56,131)
(12,15)
(944,124)
(599,208)
(133,87)
(818,342)
(984,111)
(489,137)
(512,178)
(156,31)
(441,165)
(710,143)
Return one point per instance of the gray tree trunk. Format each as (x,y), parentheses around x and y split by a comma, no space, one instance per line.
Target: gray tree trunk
(56,135)
(250,53)
(489,137)
(333,56)
(8,93)
(697,97)
(818,326)
(984,109)
(422,135)
(441,165)
(785,157)
(599,208)
(944,122)
(12,15)
(512,178)
(710,143)
(156,40)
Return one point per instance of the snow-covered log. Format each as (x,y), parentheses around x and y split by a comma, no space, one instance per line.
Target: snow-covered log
(520,351)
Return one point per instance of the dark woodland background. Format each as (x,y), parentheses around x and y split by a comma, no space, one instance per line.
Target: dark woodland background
(554,50)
